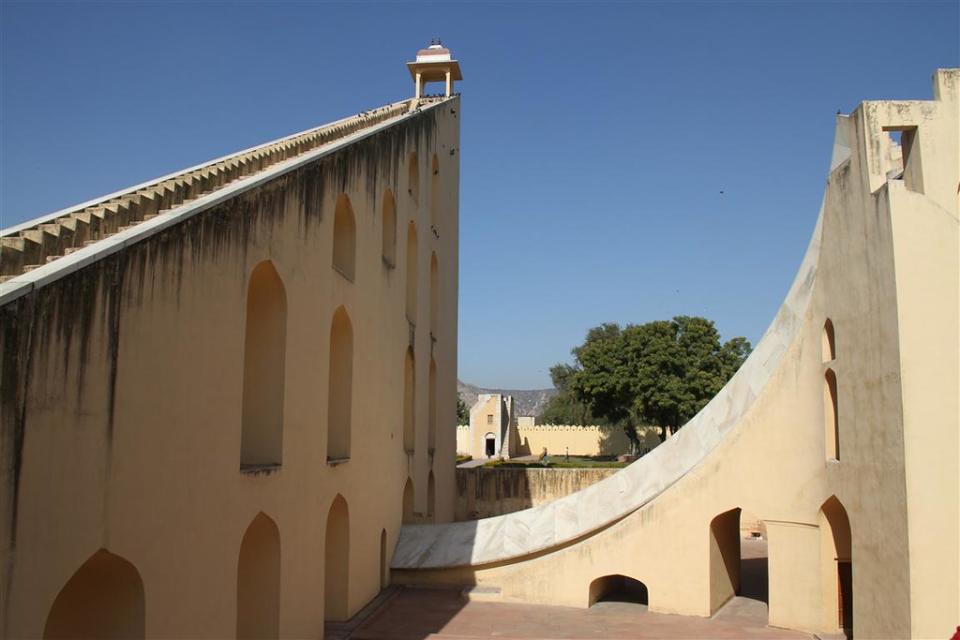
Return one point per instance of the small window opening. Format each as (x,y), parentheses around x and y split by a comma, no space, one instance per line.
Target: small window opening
(902,159)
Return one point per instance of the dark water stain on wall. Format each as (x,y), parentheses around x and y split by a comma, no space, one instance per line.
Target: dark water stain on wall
(63,314)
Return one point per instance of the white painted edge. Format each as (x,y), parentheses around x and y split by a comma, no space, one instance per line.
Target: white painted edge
(50,217)
(25,283)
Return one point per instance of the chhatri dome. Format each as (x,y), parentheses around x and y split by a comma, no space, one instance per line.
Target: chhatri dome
(434,64)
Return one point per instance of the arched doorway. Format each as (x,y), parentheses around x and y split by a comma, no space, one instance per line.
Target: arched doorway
(618,588)
(836,555)
(337,565)
(258,580)
(490,445)
(103,599)
(738,562)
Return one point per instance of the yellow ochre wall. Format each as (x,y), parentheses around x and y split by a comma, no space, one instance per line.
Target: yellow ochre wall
(123,386)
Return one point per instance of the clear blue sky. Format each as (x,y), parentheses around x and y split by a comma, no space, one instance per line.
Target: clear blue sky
(596,137)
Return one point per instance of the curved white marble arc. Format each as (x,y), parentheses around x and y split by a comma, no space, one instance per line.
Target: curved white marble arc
(501,538)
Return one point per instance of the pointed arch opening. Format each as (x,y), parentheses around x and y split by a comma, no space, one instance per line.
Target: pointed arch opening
(431,495)
(344,239)
(434,296)
(408,502)
(413,176)
(264,353)
(388,246)
(829,344)
(102,599)
(258,580)
(384,567)
(738,559)
(340,387)
(432,407)
(836,553)
(412,272)
(409,401)
(337,563)
(831,418)
(435,194)
(618,588)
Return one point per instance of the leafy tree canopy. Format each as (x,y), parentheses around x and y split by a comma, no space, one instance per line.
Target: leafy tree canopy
(660,373)
(565,407)
(463,412)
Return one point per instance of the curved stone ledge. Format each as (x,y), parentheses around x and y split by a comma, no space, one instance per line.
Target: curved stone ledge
(522,533)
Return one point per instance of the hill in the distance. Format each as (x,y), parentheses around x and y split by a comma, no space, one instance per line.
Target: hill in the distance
(527,402)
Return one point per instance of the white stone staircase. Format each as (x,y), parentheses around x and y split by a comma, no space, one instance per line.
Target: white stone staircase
(28,246)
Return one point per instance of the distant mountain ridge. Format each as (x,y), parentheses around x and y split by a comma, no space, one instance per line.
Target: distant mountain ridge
(527,402)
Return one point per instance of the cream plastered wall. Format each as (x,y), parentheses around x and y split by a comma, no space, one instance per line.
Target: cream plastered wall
(581,441)
(589,440)
(887,280)
(122,407)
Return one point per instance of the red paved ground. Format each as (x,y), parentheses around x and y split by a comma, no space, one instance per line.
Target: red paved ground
(418,614)
(443,614)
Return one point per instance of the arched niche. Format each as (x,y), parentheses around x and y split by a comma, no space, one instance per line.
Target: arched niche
(413,177)
(264,353)
(432,407)
(435,193)
(409,401)
(412,272)
(337,564)
(340,386)
(829,342)
(831,416)
(617,588)
(836,553)
(103,599)
(344,239)
(431,495)
(258,580)
(388,246)
(408,501)
(434,295)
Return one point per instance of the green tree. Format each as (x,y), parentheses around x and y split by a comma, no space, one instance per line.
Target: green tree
(566,407)
(660,373)
(463,413)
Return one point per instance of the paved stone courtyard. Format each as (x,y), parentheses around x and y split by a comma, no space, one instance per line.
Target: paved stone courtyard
(435,613)
(415,614)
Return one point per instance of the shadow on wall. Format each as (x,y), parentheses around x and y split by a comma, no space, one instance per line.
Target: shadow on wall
(524,449)
(484,492)
(614,441)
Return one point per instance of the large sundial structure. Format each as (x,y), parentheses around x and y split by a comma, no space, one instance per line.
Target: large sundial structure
(228,402)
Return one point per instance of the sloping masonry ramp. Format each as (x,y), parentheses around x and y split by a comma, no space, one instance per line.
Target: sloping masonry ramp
(47,248)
